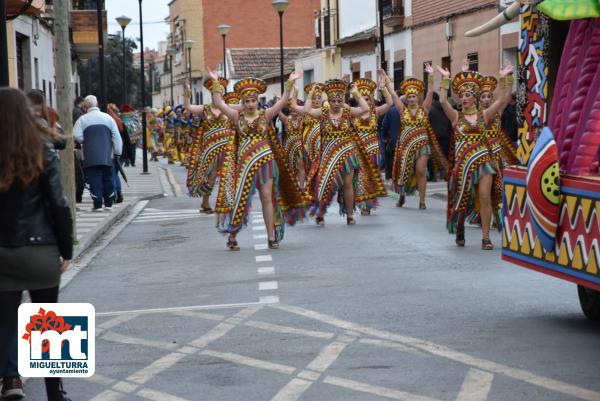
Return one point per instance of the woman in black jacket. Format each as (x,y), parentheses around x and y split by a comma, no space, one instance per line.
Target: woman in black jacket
(36,226)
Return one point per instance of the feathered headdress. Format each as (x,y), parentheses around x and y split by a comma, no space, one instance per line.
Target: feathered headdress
(335,88)
(469,81)
(412,86)
(365,86)
(250,87)
(232,98)
(488,84)
(208,83)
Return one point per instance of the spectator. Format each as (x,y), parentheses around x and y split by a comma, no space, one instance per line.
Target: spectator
(101,141)
(390,129)
(78,111)
(78,108)
(36,227)
(509,120)
(440,124)
(48,117)
(133,127)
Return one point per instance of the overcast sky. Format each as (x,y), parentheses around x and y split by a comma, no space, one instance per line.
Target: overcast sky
(154,13)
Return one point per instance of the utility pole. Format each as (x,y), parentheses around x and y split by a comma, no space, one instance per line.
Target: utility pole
(64,97)
(100,20)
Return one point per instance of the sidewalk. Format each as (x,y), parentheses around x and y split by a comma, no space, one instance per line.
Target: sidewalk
(91,225)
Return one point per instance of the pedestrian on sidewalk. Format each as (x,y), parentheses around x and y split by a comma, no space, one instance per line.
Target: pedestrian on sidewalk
(47,116)
(36,228)
(99,135)
(113,111)
(78,111)
(133,127)
(78,108)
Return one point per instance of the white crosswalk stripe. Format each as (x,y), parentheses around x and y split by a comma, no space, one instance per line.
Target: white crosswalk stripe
(158,215)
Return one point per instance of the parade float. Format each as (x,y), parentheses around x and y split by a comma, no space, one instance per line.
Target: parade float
(551,202)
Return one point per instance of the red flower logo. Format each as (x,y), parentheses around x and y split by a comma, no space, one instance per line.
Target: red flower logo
(44,321)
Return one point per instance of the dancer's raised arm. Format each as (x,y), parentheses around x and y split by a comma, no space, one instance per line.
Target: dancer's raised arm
(271,112)
(192,108)
(314,113)
(429,97)
(389,102)
(506,81)
(217,97)
(283,117)
(450,112)
(298,109)
(363,106)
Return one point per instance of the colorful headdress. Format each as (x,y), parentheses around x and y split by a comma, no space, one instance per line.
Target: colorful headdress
(309,87)
(298,102)
(232,98)
(208,82)
(335,88)
(250,87)
(469,81)
(412,86)
(365,86)
(488,84)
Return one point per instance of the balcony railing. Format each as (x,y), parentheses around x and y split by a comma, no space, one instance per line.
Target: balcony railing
(393,14)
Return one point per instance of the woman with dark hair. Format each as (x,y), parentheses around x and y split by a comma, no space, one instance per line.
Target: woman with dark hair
(36,227)
(48,117)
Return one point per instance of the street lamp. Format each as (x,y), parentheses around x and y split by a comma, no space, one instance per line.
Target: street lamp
(281,6)
(123,21)
(381,37)
(170,52)
(151,79)
(223,30)
(143,86)
(188,45)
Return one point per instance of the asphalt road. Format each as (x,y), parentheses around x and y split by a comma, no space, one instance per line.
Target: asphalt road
(387,309)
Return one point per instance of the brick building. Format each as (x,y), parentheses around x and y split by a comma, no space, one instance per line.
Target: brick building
(254,24)
(438,35)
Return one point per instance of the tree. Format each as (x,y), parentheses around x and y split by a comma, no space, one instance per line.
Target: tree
(113,65)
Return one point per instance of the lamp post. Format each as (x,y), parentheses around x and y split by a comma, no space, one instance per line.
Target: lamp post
(170,52)
(281,6)
(151,80)
(223,30)
(143,87)
(100,19)
(381,37)
(188,45)
(123,21)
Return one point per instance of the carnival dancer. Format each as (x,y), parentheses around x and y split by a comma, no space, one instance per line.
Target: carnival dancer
(256,161)
(417,140)
(502,146)
(311,136)
(366,126)
(293,143)
(152,133)
(170,135)
(341,155)
(210,145)
(472,166)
